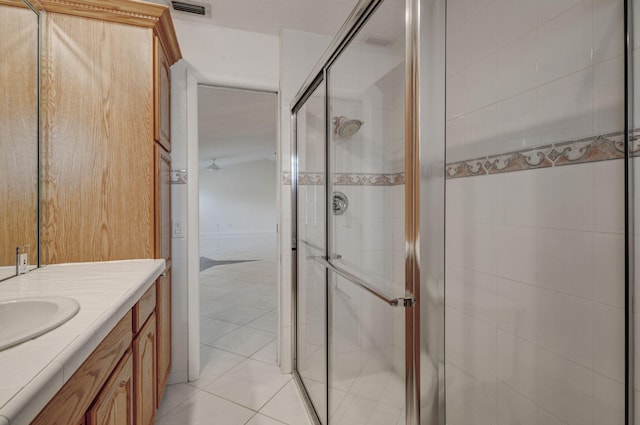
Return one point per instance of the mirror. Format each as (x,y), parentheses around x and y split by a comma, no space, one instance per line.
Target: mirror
(19,129)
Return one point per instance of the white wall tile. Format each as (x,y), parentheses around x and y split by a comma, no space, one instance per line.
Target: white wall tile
(608,96)
(565,107)
(472,292)
(565,43)
(608,32)
(565,197)
(546,418)
(565,389)
(636,398)
(456,395)
(517,205)
(565,261)
(459,141)
(457,103)
(515,18)
(455,341)
(480,348)
(456,45)
(517,126)
(478,200)
(518,364)
(609,341)
(482,128)
(478,248)
(481,30)
(518,66)
(609,269)
(565,326)
(475,8)
(609,196)
(482,399)
(549,9)
(517,309)
(513,408)
(480,83)
(636,200)
(609,402)
(516,252)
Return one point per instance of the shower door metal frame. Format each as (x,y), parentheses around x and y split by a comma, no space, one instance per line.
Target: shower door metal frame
(424,146)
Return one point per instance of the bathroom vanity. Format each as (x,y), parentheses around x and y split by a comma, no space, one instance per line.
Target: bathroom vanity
(93,199)
(98,367)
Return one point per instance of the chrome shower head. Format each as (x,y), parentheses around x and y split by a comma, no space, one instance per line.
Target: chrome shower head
(346,127)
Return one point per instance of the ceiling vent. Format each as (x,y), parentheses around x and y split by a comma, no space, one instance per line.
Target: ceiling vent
(379,42)
(193,8)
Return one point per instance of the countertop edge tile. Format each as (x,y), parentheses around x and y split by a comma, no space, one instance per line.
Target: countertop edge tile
(24,407)
(133,277)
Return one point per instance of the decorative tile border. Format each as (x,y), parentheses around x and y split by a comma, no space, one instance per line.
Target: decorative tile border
(178,176)
(344,179)
(591,149)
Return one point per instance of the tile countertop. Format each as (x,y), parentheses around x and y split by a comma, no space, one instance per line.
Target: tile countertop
(31,373)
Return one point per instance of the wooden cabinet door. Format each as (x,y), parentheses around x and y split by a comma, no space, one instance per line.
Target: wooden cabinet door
(114,405)
(144,370)
(162,124)
(71,403)
(163,204)
(97,181)
(163,317)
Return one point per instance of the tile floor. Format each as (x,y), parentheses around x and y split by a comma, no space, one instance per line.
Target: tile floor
(240,382)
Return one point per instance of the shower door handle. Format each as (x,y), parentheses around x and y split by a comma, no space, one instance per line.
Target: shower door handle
(394,302)
(317,248)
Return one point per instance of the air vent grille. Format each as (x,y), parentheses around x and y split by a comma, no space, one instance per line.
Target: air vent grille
(193,8)
(380,42)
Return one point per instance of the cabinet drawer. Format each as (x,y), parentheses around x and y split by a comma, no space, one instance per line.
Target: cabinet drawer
(143,308)
(69,405)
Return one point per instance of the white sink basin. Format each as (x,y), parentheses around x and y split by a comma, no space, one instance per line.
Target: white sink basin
(22,319)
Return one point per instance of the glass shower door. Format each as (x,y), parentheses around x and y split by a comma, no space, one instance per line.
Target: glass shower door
(311,302)
(366,89)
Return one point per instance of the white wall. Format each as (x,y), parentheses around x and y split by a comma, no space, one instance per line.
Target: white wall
(230,57)
(184,198)
(238,199)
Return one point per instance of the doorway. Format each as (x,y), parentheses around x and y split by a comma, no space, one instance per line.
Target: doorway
(237,198)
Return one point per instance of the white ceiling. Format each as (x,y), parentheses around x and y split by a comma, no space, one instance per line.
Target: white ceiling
(236,126)
(270,16)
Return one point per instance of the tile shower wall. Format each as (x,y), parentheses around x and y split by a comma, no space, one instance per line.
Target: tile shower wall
(527,73)
(534,258)
(370,234)
(534,296)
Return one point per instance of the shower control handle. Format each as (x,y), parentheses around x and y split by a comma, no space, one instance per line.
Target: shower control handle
(340,203)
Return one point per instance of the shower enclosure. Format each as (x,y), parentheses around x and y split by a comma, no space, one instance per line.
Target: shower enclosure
(463,207)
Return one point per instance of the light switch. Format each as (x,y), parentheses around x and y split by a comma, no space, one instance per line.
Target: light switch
(178,229)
